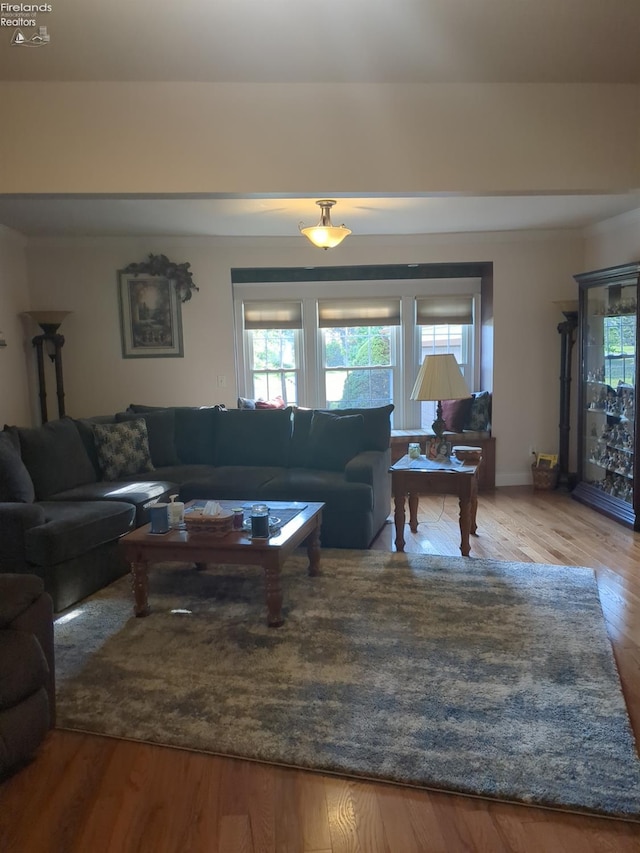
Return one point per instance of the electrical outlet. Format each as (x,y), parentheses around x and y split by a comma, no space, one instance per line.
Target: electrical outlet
(222,381)
(532,450)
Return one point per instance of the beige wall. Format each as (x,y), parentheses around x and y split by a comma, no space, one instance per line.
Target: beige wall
(615,241)
(247,138)
(15,405)
(530,271)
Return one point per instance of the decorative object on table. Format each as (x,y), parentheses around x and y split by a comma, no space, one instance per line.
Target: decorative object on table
(324,235)
(238,517)
(439,378)
(438,449)
(413,451)
(150,318)
(466,453)
(516,696)
(176,511)
(179,275)
(260,521)
(159,517)
(51,341)
(210,519)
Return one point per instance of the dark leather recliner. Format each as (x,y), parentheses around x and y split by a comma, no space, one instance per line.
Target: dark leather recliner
(27,673)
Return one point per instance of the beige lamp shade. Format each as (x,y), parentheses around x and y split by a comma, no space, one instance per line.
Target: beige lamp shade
(48,320)
(440,378)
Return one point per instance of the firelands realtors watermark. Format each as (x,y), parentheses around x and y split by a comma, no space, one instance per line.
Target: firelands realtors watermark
(21,17)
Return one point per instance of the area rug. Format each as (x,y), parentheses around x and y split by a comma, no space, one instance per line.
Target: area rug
(466,675)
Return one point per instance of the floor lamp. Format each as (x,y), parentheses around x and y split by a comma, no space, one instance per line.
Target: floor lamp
(567,340)
(52,342)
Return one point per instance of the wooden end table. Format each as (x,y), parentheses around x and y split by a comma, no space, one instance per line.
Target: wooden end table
(414,477)
(143,548)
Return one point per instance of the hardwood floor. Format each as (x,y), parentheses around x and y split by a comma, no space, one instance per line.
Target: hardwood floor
(88,794)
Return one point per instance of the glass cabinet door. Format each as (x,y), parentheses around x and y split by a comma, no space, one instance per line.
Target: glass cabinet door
(608,393)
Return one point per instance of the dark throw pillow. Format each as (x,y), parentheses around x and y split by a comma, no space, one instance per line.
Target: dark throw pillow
(455,413)
(123,449)
(161,429)
(16,485)
(334,440)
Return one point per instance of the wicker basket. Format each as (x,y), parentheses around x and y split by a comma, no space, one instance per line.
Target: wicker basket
(544,479)
(209,525)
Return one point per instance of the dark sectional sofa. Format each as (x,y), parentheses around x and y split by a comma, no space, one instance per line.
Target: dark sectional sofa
(72,487)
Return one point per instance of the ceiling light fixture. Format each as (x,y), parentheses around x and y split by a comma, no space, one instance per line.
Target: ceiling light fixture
(324,235)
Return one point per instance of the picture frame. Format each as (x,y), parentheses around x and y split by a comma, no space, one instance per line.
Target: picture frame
(150,316)
(438,449)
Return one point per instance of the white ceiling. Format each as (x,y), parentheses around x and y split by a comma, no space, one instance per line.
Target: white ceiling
(335,41)
(280,217)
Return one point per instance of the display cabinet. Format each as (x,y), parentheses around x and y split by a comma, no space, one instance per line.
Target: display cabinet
(607,435)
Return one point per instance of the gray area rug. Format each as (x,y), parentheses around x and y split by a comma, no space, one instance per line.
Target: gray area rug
(467,675)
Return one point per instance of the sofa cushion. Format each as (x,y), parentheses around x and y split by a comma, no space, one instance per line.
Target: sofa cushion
(161,429)
(376,430)
(17,594)
(195,434)
(330,487)
(16,486)
(455,413)
(230,481)
(333,440)
(23,667)
(141,493)
(72,528)
(55,457)
(258,438)
(123,448)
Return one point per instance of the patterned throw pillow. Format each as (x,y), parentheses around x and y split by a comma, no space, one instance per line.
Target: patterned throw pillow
(480,414)
(123,449)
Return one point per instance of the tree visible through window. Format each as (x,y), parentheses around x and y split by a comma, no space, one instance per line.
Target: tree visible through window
(274,364)
(358,364)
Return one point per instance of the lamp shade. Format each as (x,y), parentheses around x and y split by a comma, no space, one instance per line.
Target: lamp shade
(324,235)
(440,378)
(48,320)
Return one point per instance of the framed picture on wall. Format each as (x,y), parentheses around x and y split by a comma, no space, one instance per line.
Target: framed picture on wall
(150,317)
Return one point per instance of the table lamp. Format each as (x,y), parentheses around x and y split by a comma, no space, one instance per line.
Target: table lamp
(440,379)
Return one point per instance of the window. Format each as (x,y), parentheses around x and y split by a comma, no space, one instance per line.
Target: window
(351,344)
(272,348)
(358,351)
(445,325)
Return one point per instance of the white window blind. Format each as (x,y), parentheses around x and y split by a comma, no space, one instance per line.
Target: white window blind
(272,315)
(339,313)
(444,310)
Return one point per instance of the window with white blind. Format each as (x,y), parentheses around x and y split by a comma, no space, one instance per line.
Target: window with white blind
(335,345)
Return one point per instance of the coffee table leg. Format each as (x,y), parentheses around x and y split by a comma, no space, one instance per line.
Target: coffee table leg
(399,518)
(465,523)
(313,551)
(273,591)
(140,588)
(474,509)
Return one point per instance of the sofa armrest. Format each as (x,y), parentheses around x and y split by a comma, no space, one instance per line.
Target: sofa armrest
(15,520)
(370,466)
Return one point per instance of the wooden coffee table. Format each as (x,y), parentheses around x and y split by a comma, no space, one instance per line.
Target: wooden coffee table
(423,477)
(143,548)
